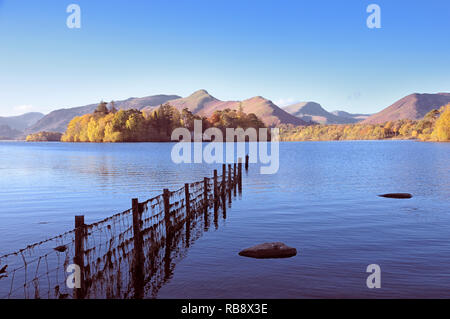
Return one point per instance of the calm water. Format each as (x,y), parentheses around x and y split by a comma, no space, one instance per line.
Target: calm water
(322,201)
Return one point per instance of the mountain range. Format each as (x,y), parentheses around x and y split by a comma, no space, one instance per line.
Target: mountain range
(58,120)
(200,102)
(413,107)
(13,127)
(314,112)
(204,104)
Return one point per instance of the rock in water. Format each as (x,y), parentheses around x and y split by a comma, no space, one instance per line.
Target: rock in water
(269,250)
(397,195)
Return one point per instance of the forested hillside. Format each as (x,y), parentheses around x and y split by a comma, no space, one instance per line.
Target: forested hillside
(435,126)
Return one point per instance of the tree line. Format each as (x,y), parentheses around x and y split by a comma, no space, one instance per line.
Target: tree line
(44,137)
(435,126)
(112,125)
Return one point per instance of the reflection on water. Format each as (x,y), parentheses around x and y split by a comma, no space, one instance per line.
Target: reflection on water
(128,255)
(322,201)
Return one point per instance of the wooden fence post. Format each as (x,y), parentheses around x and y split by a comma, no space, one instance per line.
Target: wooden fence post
(136,218)
(216,199)
(80,231)
(229,183)
(138,267)
(188,213)
(166,198)
(234,179)
(187,201)
(246,162)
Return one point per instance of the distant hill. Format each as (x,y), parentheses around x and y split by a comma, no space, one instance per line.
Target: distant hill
(412,107)
(312,111)
(21,122)
(57,121)
(7,133)
(357,117)
(270,113)
(197,102)
(204,104)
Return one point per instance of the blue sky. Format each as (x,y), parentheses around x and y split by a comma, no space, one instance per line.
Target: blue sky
(286,51)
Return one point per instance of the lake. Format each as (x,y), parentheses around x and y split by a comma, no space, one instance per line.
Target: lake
(323,201)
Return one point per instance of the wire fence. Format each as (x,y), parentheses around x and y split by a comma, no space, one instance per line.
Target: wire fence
(127,255)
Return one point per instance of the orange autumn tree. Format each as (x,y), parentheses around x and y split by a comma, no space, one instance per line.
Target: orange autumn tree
(112,125)
(441,132)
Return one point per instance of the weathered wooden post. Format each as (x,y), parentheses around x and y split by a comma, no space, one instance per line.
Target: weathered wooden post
(188,201)
(138,267)
(240,175)
(80,231)
(188,213)
(136,219)
(234,179)
(229,183)
(216,197)
(166,198)
(246,162)
(168,247)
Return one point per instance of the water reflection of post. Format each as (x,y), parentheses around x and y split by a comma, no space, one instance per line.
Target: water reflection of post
(138,261)
(205,202)
(188,214)
(223,192)
(240,175)
(216,200)
(229,184)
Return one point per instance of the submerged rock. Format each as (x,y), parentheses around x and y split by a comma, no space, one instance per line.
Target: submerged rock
(269,250)
(397,195)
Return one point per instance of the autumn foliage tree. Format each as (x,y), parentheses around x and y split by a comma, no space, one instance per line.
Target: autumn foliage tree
(441,132)
(132,125)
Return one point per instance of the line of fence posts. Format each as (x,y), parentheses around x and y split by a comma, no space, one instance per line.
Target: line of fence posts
(137,209)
